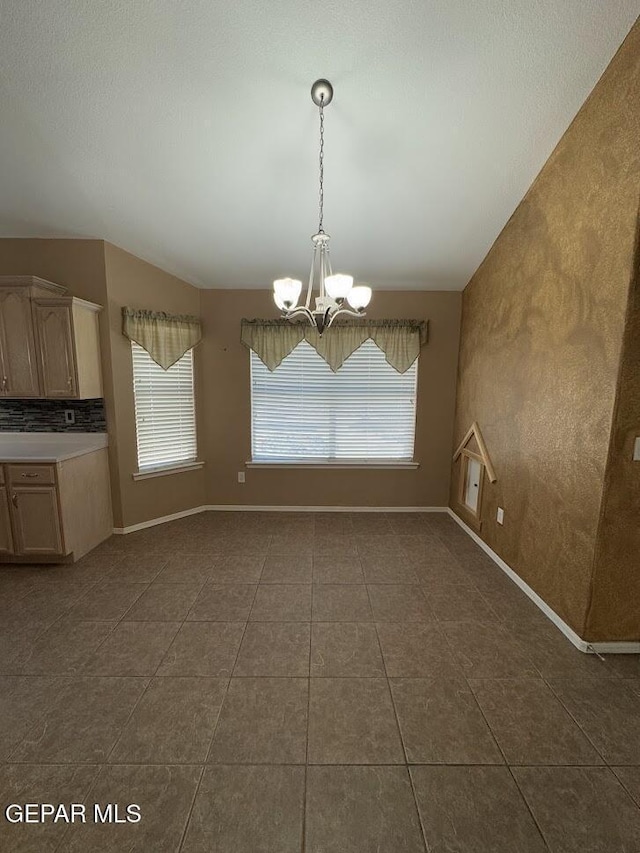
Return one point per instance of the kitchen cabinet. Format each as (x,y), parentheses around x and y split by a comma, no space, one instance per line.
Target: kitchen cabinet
(6,536)
(68,353)
(49,341)
(17,345)
(55,349)
(36,520)
(68,349)
(54,512)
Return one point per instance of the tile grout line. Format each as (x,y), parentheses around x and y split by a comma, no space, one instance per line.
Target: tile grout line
(529,809)
(226,691)
(404,748)
(246,625)
(91,787)
(191,807)
(577,723)
(306,762)
(456,658)
(224,698)
(506,764)
(128,763)
(114,622)
(150,677)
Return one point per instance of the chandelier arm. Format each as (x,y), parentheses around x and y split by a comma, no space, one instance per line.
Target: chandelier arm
(300,309)
(310,287)
(322,270)
(344,311)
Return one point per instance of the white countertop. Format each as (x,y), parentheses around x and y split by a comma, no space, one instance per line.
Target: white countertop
(48,446)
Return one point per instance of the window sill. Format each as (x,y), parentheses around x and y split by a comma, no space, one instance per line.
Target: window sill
(163,472)
(379,464)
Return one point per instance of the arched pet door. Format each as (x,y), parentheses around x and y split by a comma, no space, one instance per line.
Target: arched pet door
(474,464)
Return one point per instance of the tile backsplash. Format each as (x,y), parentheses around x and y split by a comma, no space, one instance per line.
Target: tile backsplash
(49,415)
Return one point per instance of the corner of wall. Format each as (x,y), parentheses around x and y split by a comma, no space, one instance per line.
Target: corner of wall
(614,602)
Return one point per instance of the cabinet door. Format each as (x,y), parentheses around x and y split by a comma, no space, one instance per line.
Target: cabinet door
(6,537)
(36,520)
(19,363)
(56,352)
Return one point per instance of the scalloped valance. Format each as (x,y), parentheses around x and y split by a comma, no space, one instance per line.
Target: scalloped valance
(166,337)
(399,340)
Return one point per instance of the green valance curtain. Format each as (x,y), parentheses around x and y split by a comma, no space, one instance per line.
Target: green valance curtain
(399,340)
(166,337)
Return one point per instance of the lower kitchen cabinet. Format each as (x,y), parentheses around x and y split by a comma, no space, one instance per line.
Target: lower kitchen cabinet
(54,512)
(6,535)
(36,520)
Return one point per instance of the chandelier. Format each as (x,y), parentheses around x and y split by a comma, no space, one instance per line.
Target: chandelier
(333,289)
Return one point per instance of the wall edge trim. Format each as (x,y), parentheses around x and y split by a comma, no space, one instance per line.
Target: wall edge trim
(570,634)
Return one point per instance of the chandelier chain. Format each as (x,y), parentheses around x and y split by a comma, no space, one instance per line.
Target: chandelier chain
(321,163)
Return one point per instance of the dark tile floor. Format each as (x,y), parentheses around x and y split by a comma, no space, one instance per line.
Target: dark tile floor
(273,683)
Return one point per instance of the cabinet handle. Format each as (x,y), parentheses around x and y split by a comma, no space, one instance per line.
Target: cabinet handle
(69,383)
(14,500)
(31,474)
(4,383)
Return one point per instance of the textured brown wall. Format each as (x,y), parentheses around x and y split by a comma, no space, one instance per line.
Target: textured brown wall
(133,282)
(542,330)
(615,603)
(227,403)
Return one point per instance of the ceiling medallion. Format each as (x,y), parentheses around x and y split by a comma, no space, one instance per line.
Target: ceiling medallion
(334,289)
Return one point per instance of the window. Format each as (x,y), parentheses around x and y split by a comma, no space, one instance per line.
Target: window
(165,411)
(302,411)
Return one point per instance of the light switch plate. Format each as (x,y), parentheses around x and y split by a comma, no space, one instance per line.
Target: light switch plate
(69,416)
(500,515)
(636,450)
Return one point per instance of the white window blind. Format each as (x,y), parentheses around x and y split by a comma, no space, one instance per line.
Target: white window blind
(165,411)
(304,411)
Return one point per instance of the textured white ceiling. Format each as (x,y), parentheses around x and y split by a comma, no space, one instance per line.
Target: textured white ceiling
(183,131)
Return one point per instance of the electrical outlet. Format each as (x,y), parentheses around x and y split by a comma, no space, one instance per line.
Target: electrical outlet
(241,476)
(636,450)
(69,416)
(500,515)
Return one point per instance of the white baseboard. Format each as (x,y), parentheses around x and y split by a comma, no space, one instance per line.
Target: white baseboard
(616,648)
(122,531)
(245,508)
(583,645)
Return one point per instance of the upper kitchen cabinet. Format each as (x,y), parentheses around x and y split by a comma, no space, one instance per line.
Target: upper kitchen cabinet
(17,345)
(49,344)
(18,352)
(68,347)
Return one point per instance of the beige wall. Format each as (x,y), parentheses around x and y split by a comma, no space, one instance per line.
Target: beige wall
(102,273)
(227,411)
(78,265)
(133,282)
(112,277)
(542,330)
